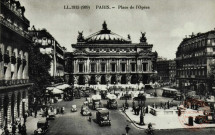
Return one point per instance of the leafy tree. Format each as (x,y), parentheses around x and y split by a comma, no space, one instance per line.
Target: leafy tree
(39,65)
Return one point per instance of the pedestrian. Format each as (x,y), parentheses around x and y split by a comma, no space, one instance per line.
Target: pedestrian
(168,104)
(161,105)
(23,130)
(14,129)
(127,128)
(6,131)
(35,113)
(19,127)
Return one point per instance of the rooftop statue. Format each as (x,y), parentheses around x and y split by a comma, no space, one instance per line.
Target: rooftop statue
(129,37)
(104,26)
(80,36)
(143,38)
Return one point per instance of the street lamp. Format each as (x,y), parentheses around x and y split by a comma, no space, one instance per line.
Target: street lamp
(142,99)
(114,87)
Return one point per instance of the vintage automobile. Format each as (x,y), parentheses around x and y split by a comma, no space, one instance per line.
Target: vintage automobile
(42,127)
(102,117)
(112,103)
(51,116)
(74,108)
(96,102)
(207,118)
(85,111)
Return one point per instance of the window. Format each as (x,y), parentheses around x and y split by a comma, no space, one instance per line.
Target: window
(133,67)
(93,67)
(81,68)
(144,66)
(123,67)
(113,67)
(103,67)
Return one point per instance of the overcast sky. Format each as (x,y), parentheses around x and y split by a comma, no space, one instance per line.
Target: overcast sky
(166,22)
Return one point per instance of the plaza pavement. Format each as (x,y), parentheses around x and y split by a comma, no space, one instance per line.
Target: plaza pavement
(167,121)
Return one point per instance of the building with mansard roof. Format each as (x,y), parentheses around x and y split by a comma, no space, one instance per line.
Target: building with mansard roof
(14,44)
(49,45)
(106,58)
(193,58)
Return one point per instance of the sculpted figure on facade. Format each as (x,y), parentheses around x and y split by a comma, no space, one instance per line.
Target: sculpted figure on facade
(143,38)
(75,77)
(86,79)
(108,77)
(80,37)
(98,78)
(128,78)
(118,77)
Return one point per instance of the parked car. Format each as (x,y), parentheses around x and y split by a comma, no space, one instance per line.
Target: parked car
(74,108)
(207,118)
(42,127)
(51,115)
(85,111)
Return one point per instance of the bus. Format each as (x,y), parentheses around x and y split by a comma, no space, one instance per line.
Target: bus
(168,92)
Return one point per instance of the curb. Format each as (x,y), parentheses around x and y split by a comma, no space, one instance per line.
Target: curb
(163,129)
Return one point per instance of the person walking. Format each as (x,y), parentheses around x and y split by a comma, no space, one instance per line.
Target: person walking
(14,129)
(127,128)
(19,127)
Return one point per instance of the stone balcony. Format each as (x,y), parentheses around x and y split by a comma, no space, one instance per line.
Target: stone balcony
(4,83)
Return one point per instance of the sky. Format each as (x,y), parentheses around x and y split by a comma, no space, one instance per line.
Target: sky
(166,22)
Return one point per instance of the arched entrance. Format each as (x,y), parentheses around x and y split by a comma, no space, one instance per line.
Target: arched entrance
(133,79)
(5,104)
(103,79)
(93,80)
(81,80)
(12,107)
(123,79)
(113,79)
(18,104)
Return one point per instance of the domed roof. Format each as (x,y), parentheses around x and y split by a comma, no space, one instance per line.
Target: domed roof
(106,36)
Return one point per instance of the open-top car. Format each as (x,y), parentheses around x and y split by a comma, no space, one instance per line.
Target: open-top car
(85,111)
(74,108)
(51,115)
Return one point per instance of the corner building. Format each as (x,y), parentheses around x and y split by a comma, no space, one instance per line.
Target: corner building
(106,58)
(14,44)
(193,58)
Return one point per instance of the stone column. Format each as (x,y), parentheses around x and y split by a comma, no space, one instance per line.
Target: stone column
(25,70)
(20,68)
(8,70)
(2,62)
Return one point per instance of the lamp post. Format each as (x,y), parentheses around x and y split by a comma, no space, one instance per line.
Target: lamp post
(114,87)
(142,99)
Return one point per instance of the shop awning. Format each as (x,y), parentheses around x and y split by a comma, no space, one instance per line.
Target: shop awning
(63,86)
(111,96)
(96,97)
(49,88)
(57,91)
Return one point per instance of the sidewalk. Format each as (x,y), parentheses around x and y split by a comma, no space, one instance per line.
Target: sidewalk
(167,121)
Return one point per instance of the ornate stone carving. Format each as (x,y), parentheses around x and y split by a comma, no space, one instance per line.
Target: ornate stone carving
(86,78)
(80,37)
(75,77)
(108,77)
(98,78)
(128,78)
(143,38)
(118,78)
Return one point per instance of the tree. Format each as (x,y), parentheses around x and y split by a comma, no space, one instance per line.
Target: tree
(39,65)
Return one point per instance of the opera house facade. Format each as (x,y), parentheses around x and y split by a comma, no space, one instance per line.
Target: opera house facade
(106,58)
